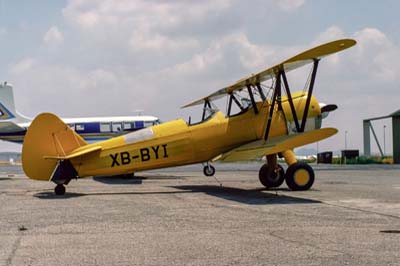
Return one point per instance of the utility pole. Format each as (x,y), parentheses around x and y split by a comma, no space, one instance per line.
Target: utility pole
(384,140)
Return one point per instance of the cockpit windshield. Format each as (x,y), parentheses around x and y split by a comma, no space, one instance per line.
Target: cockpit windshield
(208,111)
(238,102)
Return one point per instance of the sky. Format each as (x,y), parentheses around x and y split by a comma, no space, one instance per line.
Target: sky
(113,57)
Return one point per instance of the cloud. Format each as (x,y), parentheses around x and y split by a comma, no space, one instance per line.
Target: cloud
(289,5)
(22,66)
(140,41)
(376,48)
(361,80)
(3,31)
(158,55)
(151,14)
(53,37)
(148,28)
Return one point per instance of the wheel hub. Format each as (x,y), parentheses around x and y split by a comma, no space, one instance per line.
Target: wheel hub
(301,177)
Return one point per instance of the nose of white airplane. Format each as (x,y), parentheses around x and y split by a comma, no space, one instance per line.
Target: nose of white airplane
(326,109)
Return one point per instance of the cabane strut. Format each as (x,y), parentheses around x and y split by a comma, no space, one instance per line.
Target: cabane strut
(276,99)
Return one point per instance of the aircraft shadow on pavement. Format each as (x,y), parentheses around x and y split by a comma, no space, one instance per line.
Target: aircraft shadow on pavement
(248,196)
(67,195)
(136,180)
(51,195)
(110,180)
(259,196)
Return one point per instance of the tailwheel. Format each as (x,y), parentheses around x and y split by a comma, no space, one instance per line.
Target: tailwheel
(59,189)
(209,170)
(299,176)
(271,178)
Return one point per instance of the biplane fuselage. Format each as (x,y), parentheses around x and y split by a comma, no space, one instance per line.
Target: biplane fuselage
(177,143)
(267,127)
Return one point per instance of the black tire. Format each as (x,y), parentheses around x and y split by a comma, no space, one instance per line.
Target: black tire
(271,178)
(59,189)
(299,176)
(209,170)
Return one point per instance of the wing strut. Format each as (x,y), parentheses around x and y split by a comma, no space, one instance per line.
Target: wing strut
(309,94)
(277,94)
(233,98)
(276,98)
(262,95)
(289,96)
(206,104)
(253,102)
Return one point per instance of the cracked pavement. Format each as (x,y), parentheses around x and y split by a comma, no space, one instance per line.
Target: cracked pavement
(179,217)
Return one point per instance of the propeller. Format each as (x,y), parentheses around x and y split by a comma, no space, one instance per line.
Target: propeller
(326,109)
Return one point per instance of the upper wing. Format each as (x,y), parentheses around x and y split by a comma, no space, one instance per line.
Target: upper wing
(259,148)
(288,65)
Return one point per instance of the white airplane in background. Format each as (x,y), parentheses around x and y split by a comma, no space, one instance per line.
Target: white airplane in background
(13,125)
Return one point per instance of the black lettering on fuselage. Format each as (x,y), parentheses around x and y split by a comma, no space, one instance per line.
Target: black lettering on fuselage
(114,160)
(155,149)
(165,150)
(144,154)
(125,157)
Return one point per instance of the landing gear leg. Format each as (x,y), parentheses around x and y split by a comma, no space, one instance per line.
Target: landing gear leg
(271,174)
(299,176)
(59,189)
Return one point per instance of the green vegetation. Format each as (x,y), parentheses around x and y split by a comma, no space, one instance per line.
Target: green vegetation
(365,160)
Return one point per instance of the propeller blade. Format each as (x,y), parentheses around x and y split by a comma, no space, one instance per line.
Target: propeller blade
(328,107)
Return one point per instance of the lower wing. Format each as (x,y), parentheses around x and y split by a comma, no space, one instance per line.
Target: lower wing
(259,148)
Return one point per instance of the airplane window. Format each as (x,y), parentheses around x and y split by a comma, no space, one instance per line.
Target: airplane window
(148,123)
(137,135)
(79,127)
(139,124)
(117,127)
(128,125)
(105,127)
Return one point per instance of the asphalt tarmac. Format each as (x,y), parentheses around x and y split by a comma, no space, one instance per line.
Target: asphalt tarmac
(177,216)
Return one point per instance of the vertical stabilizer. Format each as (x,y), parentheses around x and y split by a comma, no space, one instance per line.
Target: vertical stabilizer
(48,137)
(7,105)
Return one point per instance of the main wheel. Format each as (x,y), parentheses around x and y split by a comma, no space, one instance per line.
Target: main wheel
(299,176)
(271,177)
(209,170)
(59,189)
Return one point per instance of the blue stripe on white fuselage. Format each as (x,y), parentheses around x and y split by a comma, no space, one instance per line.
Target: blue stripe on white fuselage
(89,131)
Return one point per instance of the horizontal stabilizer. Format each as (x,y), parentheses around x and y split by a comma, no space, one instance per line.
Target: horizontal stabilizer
(10,127)
(259,148)
(76,153)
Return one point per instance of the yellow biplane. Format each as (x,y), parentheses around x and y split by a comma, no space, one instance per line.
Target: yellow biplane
(260,121)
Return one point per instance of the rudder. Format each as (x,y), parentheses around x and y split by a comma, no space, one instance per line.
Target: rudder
(7,105)
(47,136)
